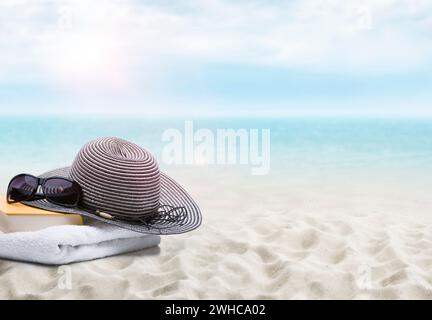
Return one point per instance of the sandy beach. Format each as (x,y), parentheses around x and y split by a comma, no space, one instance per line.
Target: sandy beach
(304,237)
(302,130)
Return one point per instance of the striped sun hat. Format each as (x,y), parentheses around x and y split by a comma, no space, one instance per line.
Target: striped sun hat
(122,185)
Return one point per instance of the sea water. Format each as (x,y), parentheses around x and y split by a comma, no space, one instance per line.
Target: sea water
(331,145)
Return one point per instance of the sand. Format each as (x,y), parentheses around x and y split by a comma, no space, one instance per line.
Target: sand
(302,237)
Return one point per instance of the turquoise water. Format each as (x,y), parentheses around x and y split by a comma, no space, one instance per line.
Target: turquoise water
(297,144)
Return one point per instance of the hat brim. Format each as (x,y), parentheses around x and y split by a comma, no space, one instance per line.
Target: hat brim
(172,194)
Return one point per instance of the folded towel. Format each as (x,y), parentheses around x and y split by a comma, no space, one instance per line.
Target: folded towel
(71,243)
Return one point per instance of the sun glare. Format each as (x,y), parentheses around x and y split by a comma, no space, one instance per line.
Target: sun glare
(85,60)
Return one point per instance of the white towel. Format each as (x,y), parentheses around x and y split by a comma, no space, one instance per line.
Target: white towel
(66,244)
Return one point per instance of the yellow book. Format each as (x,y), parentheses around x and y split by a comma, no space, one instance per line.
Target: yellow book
(17,217)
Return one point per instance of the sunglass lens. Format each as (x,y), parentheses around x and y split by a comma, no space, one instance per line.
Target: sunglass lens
(62,191)
(22,187)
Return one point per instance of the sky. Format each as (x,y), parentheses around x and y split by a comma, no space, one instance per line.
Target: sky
(216,57)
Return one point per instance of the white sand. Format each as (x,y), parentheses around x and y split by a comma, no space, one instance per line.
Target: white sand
(271,237)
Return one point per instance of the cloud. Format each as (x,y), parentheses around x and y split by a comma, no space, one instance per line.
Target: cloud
(121,44)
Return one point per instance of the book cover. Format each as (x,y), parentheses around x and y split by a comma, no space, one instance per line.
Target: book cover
(18,217)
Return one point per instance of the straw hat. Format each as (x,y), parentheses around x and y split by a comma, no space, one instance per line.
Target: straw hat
(122,185)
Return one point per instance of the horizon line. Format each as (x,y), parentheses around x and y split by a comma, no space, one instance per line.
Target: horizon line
(242,114)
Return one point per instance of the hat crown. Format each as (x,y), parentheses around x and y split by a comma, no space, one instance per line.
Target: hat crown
(118,177)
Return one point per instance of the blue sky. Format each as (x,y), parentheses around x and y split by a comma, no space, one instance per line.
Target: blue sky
(216,57)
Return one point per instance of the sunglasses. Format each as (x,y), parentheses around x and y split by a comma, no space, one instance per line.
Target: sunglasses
(57,190)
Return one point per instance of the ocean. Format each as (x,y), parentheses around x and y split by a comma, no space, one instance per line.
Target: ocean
(297,145)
